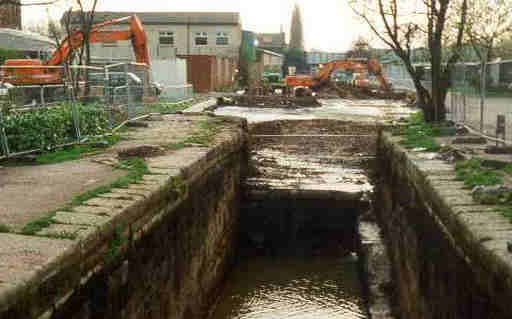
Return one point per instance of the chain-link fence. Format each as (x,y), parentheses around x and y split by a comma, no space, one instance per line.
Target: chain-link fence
(86,101)
(480,108)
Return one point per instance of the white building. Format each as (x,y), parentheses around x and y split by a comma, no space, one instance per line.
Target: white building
(175,33)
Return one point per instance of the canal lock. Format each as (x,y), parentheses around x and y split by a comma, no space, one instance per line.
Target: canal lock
(308,246)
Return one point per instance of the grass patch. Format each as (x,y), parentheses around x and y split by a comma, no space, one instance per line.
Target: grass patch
(75,152)
(506,211)
(209,128)
(37,225)
(169,107)
(65,154)
(473,173)
(136,167)
(4,228)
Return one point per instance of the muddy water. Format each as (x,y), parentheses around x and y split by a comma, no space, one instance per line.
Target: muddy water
(293,287)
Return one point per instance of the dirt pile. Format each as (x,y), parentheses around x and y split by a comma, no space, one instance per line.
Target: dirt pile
(269,101)
(358,93)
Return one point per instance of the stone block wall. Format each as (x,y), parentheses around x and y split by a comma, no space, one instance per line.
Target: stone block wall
(158,249)
(448,256)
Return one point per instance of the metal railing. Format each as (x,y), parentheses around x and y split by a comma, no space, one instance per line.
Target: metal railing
(479,108)
(90,101)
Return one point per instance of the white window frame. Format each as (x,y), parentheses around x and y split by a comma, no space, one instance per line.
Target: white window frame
(166,35)
(201,36)
(222,35)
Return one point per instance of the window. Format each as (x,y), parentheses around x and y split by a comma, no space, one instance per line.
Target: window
(201,38)
(222,38)
(166,38)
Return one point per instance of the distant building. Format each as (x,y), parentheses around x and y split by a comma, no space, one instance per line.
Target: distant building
(275,42)
(173,34)
(316,58)
(28,44)
(10,16)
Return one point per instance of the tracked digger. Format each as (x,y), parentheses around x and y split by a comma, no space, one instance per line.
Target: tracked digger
(20,72)
(323,76)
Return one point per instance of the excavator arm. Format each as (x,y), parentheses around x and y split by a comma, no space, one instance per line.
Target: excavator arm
(35,72)
(76,40)
(359,66)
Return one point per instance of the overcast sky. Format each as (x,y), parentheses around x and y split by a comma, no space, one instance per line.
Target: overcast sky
(328,24)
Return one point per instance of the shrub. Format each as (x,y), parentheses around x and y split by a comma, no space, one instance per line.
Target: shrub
(45,128)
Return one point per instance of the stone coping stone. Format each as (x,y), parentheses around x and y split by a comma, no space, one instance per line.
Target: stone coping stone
(479,232)
(31,261)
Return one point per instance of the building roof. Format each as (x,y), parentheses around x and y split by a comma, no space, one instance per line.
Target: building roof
(24,41)
(163,18)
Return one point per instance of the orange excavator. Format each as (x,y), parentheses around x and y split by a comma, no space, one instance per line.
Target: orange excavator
(323,76)
(37,72)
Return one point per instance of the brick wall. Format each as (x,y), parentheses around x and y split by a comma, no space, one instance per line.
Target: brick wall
(10,16)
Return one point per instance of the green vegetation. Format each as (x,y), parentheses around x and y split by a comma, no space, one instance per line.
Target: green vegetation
(4,228)
(37,225)
(136,167)
(419,134)
(209,128)
(168,107)
(473,173)
(46,128)
(114,244)
(74,152)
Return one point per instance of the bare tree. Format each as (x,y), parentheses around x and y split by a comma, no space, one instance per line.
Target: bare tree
(489,26)
(404,25)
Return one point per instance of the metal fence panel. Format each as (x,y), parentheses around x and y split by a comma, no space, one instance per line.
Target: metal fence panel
(477,108)
(90,101)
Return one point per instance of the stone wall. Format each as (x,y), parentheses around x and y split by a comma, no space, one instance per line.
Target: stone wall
(162,254)
(449,256)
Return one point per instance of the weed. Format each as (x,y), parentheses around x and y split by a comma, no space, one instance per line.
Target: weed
(4,228)
(209,128)
(37,225)
(473,173)
(506,211)
(419,134)
(114,244)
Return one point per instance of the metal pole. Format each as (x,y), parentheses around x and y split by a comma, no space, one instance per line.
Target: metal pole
(76,116)
(483,80)
(128,93)
(3,137)
(42,96)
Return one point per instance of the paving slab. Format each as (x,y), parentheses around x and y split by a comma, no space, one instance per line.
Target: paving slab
(27,192)
(21,257)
